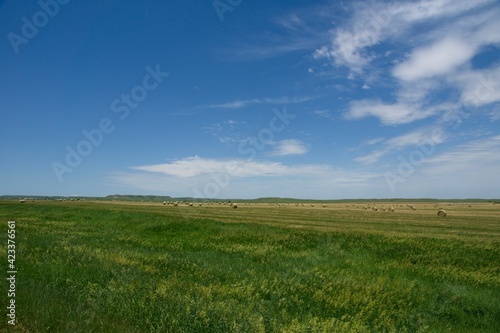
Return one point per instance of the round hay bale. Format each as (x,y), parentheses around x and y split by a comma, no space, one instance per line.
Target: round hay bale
(234,205)
(441,213)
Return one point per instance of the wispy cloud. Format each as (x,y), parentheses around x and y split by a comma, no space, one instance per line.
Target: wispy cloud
(391,113)
(298,30)
(228,131)
(468,170)
(479,87)
(242,178)
(455,32)
(437,59)
(373,23)
(495,115)
(195,166)
(467,156)
(271,101)
(324,113)
(289,147)
(374,141)
(431,135)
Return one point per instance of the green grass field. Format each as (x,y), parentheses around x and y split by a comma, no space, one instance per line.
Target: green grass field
(129,267)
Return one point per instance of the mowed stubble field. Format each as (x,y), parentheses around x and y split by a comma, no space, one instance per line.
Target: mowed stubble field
(146,267)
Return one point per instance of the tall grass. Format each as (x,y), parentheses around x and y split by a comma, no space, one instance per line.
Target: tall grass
(116,268)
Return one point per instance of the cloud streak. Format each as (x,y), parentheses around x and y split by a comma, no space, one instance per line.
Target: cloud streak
(429,136)
(289,147)
(373,23)
(437,59)
(243,178)
(466,156)
(196,166)
(238,104)
(459,30)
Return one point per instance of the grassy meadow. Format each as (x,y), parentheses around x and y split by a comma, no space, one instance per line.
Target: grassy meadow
(146,267)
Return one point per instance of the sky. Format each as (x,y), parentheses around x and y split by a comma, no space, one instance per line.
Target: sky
(247,99)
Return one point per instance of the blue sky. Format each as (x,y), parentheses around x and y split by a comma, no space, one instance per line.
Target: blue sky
(246,99)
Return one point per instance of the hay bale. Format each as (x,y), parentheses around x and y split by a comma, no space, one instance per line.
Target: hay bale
(441,213)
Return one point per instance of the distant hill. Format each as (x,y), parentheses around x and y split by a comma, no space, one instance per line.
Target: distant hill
(161,198)
(138,198)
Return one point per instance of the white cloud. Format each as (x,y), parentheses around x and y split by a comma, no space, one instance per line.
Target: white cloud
(495,115)
(444,36)
(242,103)
(437,59)
(324,113)
(412,12)
(389,114)
(468,156)
(239,178)
(373,23)
(196,166)
(346,50)
(426,136)
(289,147)
(228,131)
(418,137)
(478,87)
(469,170)
(371,157)
(297,30)
(374,141)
